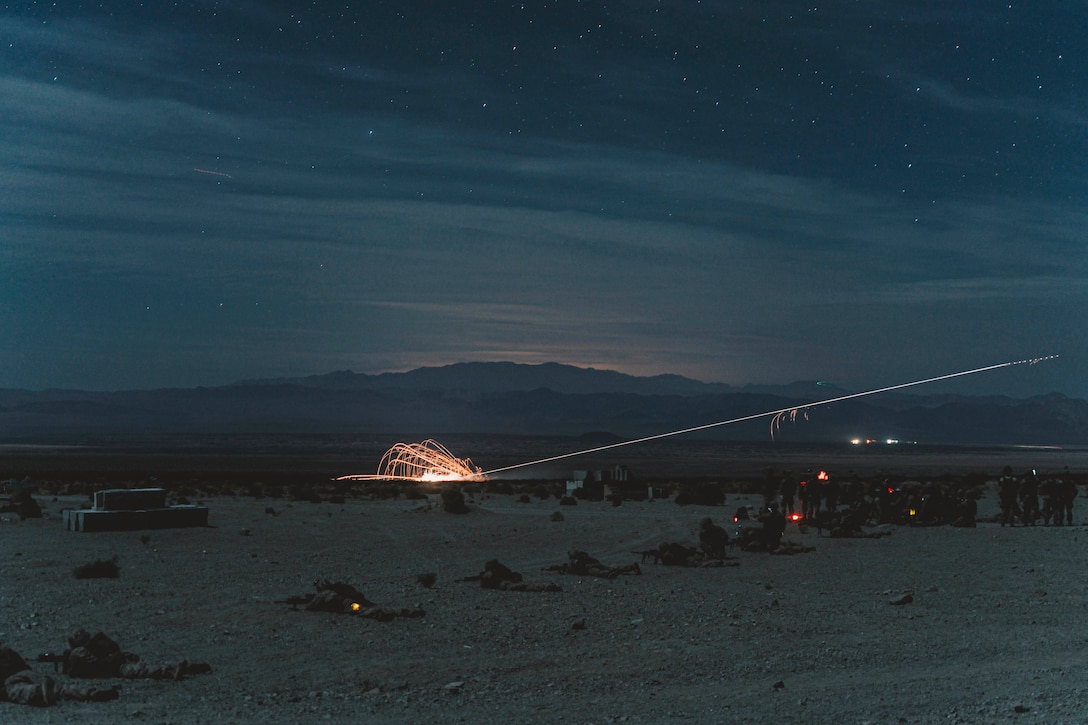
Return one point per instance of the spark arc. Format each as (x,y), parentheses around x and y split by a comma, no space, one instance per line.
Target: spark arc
(426,461)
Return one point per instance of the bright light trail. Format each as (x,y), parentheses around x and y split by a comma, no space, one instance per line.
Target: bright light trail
(780,411)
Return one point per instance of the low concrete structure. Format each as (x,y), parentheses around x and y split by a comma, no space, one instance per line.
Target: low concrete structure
(130,509)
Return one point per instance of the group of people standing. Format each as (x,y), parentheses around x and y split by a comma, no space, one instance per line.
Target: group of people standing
(1027,499)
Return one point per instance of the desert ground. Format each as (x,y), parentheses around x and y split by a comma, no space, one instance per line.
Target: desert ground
(996,631)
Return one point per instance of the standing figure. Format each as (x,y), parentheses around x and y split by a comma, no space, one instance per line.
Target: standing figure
(788,492)
(1008,489)
(1052,506)
(1029,498)
(810,496)
(1067,492)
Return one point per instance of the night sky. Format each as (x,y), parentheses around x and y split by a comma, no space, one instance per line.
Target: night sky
(865,193)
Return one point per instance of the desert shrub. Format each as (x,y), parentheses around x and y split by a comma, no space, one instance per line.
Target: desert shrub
(24,504)
(99,569)
(568,501)
(557,516)
(503,488)
(524,498)
(542,492)
(616,499)
(427,579)
(413,493)
(453,501)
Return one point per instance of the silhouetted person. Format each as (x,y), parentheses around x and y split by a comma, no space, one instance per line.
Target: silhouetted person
(1008,490)
(830,492)
(713,539)
(774,527)
(1067,493)
(788,492)
(1029,498)
(1052,508)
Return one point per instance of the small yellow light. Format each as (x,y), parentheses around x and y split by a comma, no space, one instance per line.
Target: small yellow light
(355,606)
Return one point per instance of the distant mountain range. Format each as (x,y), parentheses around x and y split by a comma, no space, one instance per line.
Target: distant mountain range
(549,400)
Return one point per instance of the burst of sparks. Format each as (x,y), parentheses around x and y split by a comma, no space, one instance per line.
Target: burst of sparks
(428,461)
(790,415)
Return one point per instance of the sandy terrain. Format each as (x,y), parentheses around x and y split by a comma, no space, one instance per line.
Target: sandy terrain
(999,621)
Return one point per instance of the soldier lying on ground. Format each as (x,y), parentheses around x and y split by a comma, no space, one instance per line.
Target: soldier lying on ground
(88,657)
(583,564)
(497,575)
(23,686)
(98,656)
(343,598)
(674,554)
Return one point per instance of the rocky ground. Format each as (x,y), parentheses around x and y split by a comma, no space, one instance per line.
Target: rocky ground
(996,629)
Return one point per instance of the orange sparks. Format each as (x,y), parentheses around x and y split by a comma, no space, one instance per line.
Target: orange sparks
(428,461)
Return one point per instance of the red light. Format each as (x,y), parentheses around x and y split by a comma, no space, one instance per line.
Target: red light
(822,475)
(795,517)
(891,490)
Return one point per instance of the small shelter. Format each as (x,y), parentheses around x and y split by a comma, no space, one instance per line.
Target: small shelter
(130,509)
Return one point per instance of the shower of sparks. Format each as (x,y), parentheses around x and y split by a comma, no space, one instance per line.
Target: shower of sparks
(430,461)
(790,415)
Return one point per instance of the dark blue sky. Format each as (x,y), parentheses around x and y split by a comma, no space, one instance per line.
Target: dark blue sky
(861,192)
